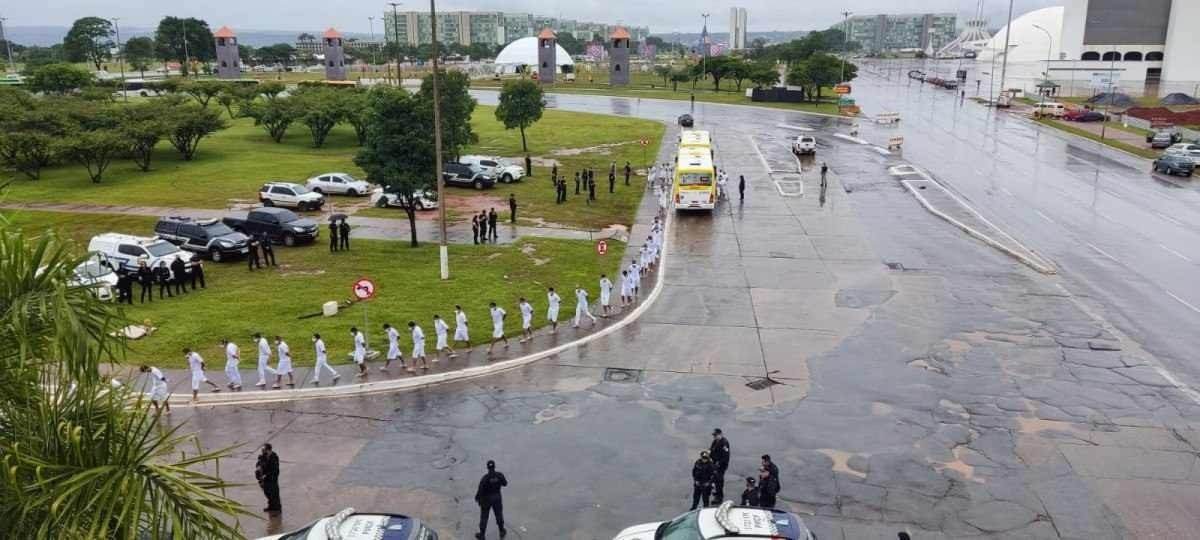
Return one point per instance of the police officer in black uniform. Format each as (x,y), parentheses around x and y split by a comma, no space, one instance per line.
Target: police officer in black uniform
(703,472)
(162,275)
(252,258)
(145,277)
(488,497)
(344,230)
(178,274)
(333,236)
(266,472)
(267,249)
(198,273)
(124,288)
(719,450)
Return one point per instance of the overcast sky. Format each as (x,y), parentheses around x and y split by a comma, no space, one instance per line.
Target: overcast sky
(351,15)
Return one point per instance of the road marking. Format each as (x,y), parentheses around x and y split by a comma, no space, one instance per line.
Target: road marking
(1044,216)
(1102,252)
(1168,218)
(1007,192)
(1182,301)
(790,126)
(761,157)
(1175,253)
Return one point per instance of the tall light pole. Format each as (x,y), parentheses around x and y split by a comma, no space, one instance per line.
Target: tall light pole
(1112,68)
(396,36)
(374,58)
(845,42)
(1007,36)
(121,56)
(184,66)
(1049,50)
(704,49)
(8,44)
(443,250)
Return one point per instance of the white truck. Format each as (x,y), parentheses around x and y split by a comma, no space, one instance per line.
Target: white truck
(804,144)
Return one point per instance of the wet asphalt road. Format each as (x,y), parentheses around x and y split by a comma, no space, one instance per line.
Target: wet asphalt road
(952,393)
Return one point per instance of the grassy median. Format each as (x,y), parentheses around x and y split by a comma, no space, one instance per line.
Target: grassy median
(238,302)
(1143,152)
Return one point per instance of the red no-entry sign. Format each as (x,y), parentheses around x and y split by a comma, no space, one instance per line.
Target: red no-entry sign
(645,141)
(364,289)
(602,247)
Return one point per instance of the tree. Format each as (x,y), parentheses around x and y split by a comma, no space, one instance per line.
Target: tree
(203,90)
(763,75)
(189,125)
(740,70)
(35,57)
(274,115)
(279,53)
(457,105)
(28,136)
(85,460)
(164,86)
(818,71)
(398,153)
(271,89)
(140,52)
(521,105)
(227,98)
(680,76)
(143,126)
(88,41)
(318,108)
(171,34)
(570,44)
(664,72)
(95,150)
(719,67)
(356,112)
(59,79)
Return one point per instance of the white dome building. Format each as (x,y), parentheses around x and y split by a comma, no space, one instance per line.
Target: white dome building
(1028,42)
(524,52)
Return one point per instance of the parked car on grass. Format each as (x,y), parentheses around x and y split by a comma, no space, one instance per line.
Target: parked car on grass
(290,195)
(500,169)
(279,224)
(205,237)
(424,201)
(337,183)
(96,272)
(1174,164)
(124,251)
(457,174)
(1161,140)
(1049,109)
(351,525)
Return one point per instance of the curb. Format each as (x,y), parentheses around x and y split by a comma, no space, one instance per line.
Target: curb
(1032,262)
(396,385)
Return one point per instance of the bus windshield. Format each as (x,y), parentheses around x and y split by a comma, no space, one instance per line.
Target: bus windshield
(695,179)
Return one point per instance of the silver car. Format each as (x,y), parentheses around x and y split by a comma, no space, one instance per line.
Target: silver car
(338,183)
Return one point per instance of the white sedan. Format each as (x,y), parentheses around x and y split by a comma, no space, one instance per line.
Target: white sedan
(337,183)
(425,201)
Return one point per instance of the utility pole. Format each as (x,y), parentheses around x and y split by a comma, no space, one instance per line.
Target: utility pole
(8,44)
(1112,69)
(121,58)
(845,42)
(704,49)
(396,36)
(374,58)
(186,67)
(443,250)
(1007,37)
(1049,51)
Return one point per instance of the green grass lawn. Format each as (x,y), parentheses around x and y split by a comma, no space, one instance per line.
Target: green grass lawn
(233,163)
(238,303)
(1143,152)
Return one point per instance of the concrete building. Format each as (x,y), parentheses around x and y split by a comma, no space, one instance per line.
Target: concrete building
(488,27)
(1136,47)
(229,62)
(737,28)
(335,56)
(618,57)
(919,31)
(546,56)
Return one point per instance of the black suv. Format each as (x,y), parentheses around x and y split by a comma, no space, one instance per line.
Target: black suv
(203,236)
(457,174)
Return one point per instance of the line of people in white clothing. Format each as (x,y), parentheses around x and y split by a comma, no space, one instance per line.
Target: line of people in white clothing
(629,282)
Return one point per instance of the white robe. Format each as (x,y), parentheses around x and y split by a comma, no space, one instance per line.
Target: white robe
(460,327)
(285,358)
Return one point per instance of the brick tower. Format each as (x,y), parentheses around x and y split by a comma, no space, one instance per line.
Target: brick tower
(335,56)
(618,57)
(229,65)
(547,56)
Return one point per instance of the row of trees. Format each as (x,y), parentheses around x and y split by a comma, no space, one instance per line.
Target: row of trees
(38,132)
(720,68)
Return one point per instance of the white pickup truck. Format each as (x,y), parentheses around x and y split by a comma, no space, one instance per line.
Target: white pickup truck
(804,144)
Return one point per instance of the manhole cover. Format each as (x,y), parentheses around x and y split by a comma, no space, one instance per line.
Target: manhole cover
(621,375)
(762,384)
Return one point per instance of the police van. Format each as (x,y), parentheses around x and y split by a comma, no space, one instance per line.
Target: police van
(725,521)
(124,251)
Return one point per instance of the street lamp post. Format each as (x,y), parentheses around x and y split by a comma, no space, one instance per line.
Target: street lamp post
(704,50)
(374,51)
(120,57)
(7,44)
(845,42)
(1049,50)
(1112,68)
(443,250)
(1007,37)
(186,68)
(396,36)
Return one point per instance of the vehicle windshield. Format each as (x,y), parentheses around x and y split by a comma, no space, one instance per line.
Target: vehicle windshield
(299,189)
(350,178)
(161,249)
(92,269)
(217,229)
(685,527)
(695,179)
(286,216)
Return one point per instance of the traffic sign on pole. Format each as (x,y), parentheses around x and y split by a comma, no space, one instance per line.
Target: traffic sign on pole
(602,247)
(364,289)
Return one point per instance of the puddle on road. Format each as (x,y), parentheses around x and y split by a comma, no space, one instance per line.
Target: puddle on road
(564,411)
(879,408)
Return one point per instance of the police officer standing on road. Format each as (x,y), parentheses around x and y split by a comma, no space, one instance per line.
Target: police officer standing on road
(702,479)
(344,233)
(474,229)
(268,250)
(720,456)
(750,494)
(488,497)
(483,226)
(768,488)
(741,187)
(824,171)
(492,219)
(266,471)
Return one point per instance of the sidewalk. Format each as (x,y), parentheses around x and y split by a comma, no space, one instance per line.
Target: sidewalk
(467,364)
(363,227)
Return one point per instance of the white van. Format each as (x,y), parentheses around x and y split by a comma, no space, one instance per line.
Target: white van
(1051,109)
(124,251)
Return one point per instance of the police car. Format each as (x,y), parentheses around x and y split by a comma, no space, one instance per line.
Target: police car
(351,525)
(725,521)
